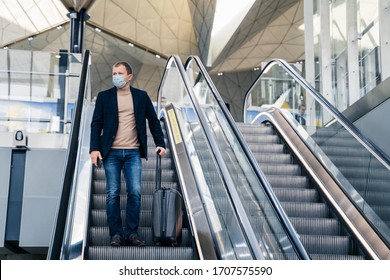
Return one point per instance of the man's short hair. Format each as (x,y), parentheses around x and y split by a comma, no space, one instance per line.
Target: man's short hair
(129,70)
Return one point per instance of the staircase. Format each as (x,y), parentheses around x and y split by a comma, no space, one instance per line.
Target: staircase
(320,232)
(99,241)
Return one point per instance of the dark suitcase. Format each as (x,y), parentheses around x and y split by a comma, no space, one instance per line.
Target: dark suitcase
(167,213)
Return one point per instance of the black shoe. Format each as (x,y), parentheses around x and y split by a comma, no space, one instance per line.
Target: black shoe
(134,241)
(116,240)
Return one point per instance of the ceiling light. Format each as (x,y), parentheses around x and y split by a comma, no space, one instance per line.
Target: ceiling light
(98,29)
(158,56)
(220,73)
(30,38)
(131,44)
(59,27)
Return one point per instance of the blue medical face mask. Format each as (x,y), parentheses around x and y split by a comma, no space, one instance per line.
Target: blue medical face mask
(119,80)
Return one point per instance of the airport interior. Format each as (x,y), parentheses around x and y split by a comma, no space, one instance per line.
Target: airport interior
(274,115)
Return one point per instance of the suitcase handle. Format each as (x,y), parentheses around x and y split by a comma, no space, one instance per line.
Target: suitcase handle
(158,170)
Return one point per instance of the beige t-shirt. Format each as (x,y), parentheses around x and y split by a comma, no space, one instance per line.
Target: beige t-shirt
(126,136)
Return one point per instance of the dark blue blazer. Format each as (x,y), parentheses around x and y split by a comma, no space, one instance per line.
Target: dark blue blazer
(104,125)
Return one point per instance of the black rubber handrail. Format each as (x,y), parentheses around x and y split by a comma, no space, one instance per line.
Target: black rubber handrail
(70,163)
(301,251)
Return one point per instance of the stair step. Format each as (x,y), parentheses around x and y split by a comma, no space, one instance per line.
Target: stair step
(140,253)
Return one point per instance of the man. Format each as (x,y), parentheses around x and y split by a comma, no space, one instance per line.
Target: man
(301,116)
(118,139)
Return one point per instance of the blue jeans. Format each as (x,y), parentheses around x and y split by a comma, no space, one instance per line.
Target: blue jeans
(130,162)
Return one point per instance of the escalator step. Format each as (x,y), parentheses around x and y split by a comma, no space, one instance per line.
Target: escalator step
(325,244)
(281,169)
(99,201)
(295,182)
(272,158)
(266,148)
(297,195)
(302,209)
(99,218)
(99,236)
(168,175)
(316,226)
(140,253)
(146,187)
(265,138)
(327,257)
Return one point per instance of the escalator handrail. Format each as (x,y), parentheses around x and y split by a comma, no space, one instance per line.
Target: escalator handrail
(253,162)
(347,124)
(246,225)
(198,221)
(70,163)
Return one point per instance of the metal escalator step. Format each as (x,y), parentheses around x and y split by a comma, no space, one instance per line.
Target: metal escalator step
(316,226)
(350,161)
(281,169)
(383,211)
(377,198)
(329,257)
(362,173)
(327,244)
(303,209)
(264,158)
(254,129)
(166,163)
(146,187)
(168,175)
(340,141)
(140,253)
(266,148)
(99,201)
(295,182)
(99,236)
(344,151)
(362,186)
(99,217)
(261,138)
(296,195)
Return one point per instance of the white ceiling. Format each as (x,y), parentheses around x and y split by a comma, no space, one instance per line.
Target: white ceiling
(270,28)
(265,29)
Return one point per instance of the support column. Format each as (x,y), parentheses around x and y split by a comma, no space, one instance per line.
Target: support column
(309,42)
(326,52)
(384,37)
(352,52)
(310,70)
(77,24)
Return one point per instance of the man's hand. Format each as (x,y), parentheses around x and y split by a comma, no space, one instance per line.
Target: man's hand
(161,151)
(95,158)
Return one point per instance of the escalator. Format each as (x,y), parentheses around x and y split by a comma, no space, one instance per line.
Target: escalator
(216,225)
(321,232)
(99,242)
(233,208)
(333,219)
(346,174)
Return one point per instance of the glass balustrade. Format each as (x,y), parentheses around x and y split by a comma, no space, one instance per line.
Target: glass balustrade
(362,174)
(38,90)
